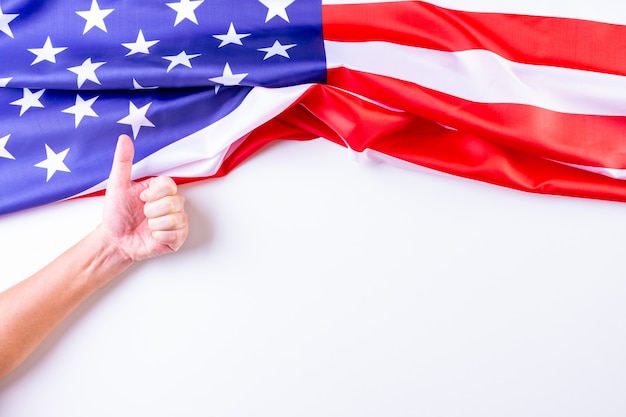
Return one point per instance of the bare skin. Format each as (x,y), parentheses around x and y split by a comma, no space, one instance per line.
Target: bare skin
(141,220)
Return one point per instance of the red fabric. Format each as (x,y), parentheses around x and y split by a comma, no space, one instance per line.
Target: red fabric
(570,43)
(348,120)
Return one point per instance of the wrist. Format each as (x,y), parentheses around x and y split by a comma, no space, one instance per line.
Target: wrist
(111,257)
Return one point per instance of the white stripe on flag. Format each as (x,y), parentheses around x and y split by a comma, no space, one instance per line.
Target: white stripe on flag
(616,173)
(484,77)
(606,11)
(201,154)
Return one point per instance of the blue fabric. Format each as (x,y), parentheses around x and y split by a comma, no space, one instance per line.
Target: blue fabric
(39,93)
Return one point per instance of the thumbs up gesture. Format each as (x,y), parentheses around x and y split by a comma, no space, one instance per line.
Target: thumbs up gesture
(146,218)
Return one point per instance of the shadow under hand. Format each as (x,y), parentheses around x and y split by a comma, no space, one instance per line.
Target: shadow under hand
(200,226)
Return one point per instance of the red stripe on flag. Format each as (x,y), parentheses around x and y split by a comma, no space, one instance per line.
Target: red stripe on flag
(571,138)
(348,120)
(552,41)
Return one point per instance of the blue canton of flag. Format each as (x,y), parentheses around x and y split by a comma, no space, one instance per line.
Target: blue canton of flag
(75,75)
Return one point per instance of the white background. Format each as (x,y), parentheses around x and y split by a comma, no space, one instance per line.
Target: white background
(313,285)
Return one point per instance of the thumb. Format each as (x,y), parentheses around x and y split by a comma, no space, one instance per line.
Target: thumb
(122,162)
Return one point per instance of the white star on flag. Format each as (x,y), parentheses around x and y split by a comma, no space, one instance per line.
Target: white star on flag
(29,100)
(5,19)
(46,53)
(231,36)
(5,81)
(180,59)
(228,79)
(185,9)
(276,8)
(137,118)
(277,49)
(94,17)
(140,46)
(81,109)
(86,71)
(3,148)
(53,162)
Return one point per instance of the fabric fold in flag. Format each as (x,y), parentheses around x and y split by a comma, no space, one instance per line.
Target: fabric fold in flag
(518,95)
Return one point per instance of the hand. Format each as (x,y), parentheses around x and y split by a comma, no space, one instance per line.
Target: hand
(144,219)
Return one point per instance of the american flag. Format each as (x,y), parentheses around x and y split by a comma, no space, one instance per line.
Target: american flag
(522,95)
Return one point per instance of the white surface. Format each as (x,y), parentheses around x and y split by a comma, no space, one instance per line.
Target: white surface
(312,285)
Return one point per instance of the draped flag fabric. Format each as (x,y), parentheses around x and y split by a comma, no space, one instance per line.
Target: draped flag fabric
(519,94)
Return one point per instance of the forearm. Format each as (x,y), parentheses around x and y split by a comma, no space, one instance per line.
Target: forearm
(30,310)
(141,220)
